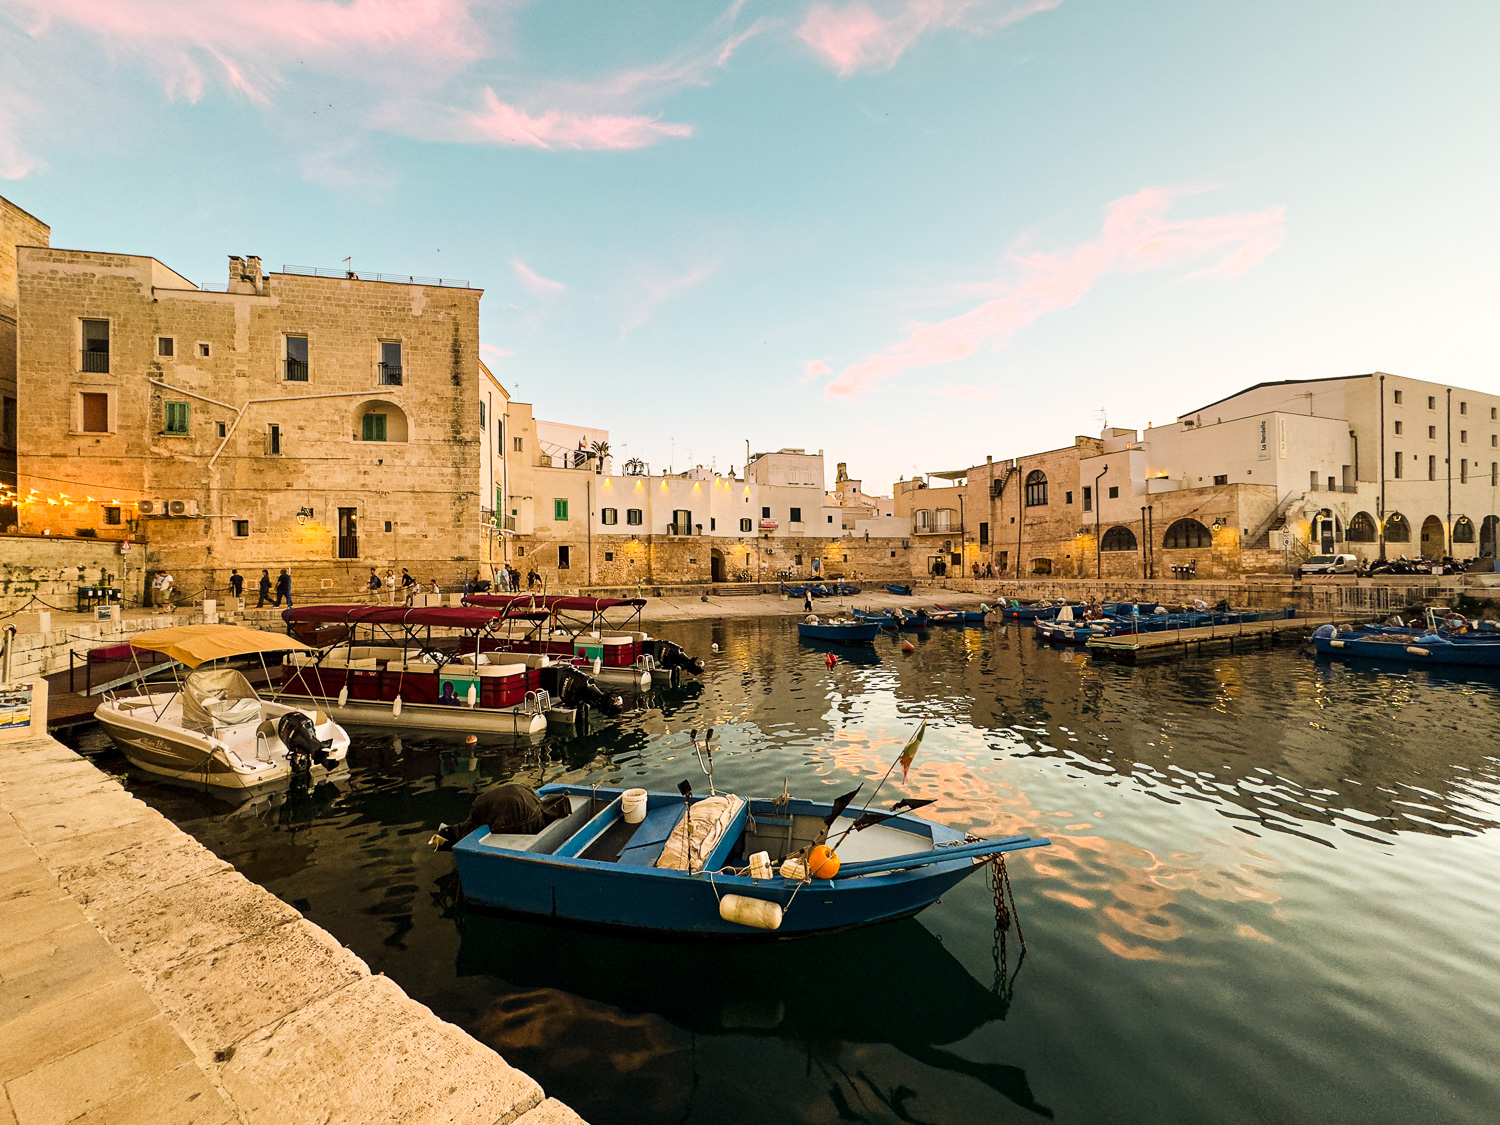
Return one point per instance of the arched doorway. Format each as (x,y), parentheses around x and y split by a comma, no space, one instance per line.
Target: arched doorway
(716,565)
(1487,535)
(1327,532)
(1433,542)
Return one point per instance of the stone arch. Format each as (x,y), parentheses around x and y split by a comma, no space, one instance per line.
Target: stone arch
(1036,489)
(1434,542)
(387,421)
(1463,530)
(1397,528)
(1362,529)
(1041,566)
(716,568)
(1327,532)
(1118,538)
(1186,534)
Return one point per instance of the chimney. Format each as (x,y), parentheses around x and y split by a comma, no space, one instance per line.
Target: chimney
(244,274)
(252,271)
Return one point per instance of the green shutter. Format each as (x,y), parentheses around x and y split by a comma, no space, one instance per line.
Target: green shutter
(374,427)
(177,418)
(559,509)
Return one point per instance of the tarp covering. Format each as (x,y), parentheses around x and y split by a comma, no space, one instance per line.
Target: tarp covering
(218,697)
(448,617)
(196,644)
(553,602)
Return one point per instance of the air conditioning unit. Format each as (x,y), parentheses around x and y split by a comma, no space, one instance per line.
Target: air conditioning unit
(152,507)
(182,507)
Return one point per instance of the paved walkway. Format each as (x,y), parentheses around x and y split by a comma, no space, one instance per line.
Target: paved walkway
(143,980)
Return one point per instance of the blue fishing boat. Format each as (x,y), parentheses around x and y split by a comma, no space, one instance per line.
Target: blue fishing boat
(1015,611)
(844,632)
(845,590)
(795,591)
(895,588)
(966,616)
(685,865)
(1480,650)
(895,618)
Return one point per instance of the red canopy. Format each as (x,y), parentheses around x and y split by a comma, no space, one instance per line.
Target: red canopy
(449,617)
(553,602)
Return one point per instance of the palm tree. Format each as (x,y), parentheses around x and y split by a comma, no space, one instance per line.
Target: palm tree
(600,450)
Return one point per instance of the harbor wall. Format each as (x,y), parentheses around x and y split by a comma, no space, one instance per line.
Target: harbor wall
(49,569)
(144,979)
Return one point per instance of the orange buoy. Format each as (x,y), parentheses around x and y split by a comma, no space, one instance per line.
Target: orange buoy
(907,646)
(831,660)
(822,862)
(471,740)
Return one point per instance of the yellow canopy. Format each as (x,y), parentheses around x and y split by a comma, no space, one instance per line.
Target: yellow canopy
(196,644)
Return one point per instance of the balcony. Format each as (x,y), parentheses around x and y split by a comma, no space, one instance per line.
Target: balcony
(769,525)
(390,374)
(296,371)
(679,529)
(96,363)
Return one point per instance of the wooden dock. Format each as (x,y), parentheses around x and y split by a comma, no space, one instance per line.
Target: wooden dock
(1169,644)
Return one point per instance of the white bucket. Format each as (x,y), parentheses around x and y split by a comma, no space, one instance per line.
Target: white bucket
(633,803)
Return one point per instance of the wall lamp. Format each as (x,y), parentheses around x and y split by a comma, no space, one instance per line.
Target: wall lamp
(304,514)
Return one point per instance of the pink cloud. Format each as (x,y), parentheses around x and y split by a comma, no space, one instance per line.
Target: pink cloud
(1137,237)
(856,37)
(815,369)
(968,393)
(534,282)
(505,124)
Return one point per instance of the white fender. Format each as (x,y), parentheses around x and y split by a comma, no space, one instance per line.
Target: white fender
(598,661)
(396,708)
(344,696)
(1336,644)
(1418,650)
(755,912)
(473,696)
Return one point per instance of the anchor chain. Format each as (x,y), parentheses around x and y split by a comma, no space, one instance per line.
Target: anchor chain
(1005,914)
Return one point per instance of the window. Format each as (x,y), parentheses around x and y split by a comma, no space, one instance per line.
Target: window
(1118,538)
(176,419)
(95,414)
(1431,433)
(559,509)
(1494,440)
(1494,413)
(1186,534)
(8,424)
(1495,474)
(1397,530)
(1114,492)
(203,350)
(221,429)
(372,427)
(922,519)
(1036,492)
(296,359)
(1396,397)
(1463,408)
(713,524)
(1463,470)
(765,513)
(984,534)
(1431,402)
(165,346)
(1221,478)
(795,515)
(1396,466)
(745,525)
(273,440)
(563,559)
(609,516)
(830,519)
(1088,498)
(1041,566)
(387,527)
(1431,467)
(1463,437)
(1361,528)
(682,521)
(516,443)
(390,363)
(1067,497)
(112,516)
(1463,530)
(1397,427)
(1002,560)
(633,517)
(96,346)
(241,529)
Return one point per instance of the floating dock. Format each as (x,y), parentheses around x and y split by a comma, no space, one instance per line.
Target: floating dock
(1170,644)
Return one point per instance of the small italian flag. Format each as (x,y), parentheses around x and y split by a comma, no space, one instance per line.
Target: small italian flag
(909,751)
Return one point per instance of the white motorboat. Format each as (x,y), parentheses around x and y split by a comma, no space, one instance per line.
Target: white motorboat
(212,728)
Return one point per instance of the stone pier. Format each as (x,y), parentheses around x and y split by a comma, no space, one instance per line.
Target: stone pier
(144,980)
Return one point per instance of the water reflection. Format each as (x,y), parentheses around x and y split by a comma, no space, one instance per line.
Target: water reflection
(1262,865)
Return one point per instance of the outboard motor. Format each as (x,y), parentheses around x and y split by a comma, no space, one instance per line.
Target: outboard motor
(304,748)
(575,687)
(672,656)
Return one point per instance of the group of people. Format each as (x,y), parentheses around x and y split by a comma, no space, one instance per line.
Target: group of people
(404,589)
(985,571)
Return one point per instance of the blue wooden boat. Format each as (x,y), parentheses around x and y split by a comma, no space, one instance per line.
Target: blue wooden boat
(1480,650)
(894,588)
(895,618)
(794,591)
(1015,611)
(594,868)
(845,590)
(844,632)
(966,616)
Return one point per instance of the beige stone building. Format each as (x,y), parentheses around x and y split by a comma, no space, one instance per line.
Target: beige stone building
(315,420)
(17,228)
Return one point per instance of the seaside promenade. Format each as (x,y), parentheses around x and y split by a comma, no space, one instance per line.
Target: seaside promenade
(143,981)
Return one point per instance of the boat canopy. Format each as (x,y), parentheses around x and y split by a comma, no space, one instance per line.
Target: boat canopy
(552,602)
(449,617)
(196,644)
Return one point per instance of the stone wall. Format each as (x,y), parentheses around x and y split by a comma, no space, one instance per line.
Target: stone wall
(48,569)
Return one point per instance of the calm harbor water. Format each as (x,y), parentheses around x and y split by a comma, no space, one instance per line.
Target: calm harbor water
(1271,896)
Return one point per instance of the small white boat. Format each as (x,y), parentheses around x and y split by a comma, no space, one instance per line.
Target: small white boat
(212,728)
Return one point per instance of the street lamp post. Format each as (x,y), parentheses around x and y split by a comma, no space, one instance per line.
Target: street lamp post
(1098,546)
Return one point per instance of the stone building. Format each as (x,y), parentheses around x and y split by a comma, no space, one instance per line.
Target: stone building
(315,420)
(17,228)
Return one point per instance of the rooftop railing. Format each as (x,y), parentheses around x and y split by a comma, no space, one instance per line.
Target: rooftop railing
(392,278)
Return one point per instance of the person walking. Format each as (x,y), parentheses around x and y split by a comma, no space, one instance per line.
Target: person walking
(236,585)
(390,584)
(264,589)
(807,600)
(408,585)
(373,585)
(284,587)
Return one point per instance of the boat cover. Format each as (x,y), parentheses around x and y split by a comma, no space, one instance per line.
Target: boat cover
(552,602)
(196,644)
(451,617)
(216,698)
(709,819)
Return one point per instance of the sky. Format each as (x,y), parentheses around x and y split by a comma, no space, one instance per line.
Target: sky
(910,233)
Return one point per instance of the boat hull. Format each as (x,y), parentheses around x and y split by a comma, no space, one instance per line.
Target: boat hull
(1414,651)
(863,633)
(430,716)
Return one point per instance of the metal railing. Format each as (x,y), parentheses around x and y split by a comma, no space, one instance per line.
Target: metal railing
(96,362)
(391,278)
(390,374)
(296,371)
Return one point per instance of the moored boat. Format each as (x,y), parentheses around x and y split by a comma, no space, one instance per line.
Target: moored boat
(897,588)
(844,631)
(1479,650)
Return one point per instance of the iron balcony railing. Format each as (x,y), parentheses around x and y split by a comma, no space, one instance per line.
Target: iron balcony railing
(296,371)
(390,374)
(96,362)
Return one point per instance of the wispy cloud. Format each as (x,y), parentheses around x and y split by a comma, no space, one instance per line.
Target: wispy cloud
(857,36)
(1137,237)
(534,282)
(815,369)
(504,124)
(968,393)
(15,162)
(650,289)
(493,352)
